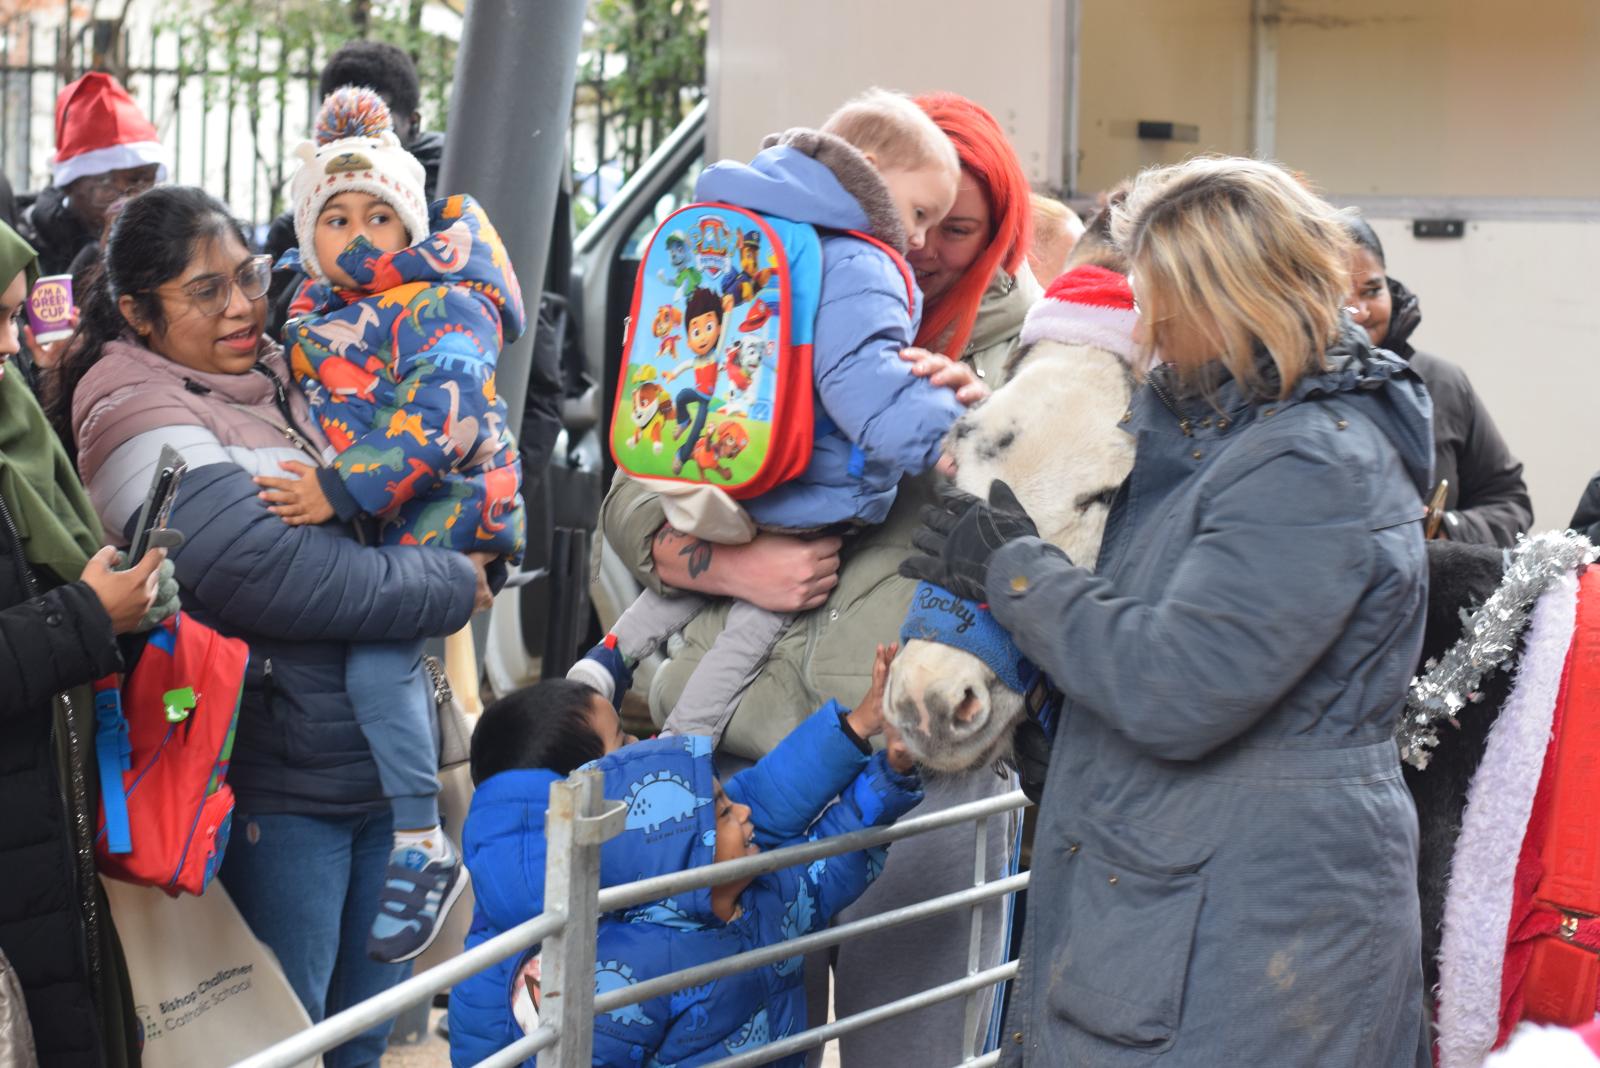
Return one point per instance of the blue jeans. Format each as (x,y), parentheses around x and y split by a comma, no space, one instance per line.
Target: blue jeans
(308,887)
(702,408)
(394,705)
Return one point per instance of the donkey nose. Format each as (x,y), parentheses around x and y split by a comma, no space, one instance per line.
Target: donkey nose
(906,709)
(963,707)
(970,707)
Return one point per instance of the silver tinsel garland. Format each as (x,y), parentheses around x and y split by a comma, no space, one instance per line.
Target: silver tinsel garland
(1489,637)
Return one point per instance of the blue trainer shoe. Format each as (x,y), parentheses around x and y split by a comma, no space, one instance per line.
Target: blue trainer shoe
(418,893)
(605,670)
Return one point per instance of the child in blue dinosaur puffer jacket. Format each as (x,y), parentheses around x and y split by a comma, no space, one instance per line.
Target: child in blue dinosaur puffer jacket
(394,343)
(879,166)
(678,817)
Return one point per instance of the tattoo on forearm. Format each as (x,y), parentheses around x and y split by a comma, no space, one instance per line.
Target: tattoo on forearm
(699,554)
(695,551)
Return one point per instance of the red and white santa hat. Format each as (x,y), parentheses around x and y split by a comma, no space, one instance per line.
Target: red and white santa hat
(98,129)
(1087,305)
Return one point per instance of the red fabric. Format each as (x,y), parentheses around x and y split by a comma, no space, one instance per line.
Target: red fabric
(96,112)
(1092,285)
(986,156)
(705,377)
(179,805)
(1531,918)
(1572,847)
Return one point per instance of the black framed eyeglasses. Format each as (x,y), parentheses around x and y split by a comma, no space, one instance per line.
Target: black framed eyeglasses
(210,293)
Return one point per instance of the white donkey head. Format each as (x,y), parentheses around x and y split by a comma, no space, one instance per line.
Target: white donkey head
(1052,434)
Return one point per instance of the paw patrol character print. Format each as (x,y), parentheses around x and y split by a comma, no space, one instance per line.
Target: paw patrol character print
(652,407)
(711,244)
(668,319)
(742,366)
(723,443)
(741,286)
(704,317)
(660,798)
(686,277)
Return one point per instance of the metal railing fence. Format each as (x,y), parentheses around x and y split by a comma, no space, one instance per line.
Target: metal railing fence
(579,820)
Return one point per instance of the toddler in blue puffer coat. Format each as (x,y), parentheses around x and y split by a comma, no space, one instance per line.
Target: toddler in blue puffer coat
(679,817)
(880,167)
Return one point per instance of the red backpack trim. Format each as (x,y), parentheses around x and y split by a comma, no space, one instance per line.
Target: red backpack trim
(164,736)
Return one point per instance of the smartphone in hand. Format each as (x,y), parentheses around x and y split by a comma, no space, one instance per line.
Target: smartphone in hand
(157,507)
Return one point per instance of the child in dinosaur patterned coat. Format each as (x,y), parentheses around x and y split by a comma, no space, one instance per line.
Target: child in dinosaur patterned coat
(679,817)
(394,344)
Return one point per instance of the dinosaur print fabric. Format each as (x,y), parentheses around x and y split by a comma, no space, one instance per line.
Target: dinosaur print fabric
(401,378)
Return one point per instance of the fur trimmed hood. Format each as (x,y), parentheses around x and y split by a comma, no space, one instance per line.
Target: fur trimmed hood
(811,177)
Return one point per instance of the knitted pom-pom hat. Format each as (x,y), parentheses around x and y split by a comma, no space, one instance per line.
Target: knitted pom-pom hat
(355,150)
(1088,305)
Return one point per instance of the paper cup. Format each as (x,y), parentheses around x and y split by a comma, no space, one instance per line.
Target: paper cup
(50,308)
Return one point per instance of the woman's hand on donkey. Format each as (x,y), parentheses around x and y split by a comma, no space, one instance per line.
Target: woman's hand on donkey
(941,370)
(960,535)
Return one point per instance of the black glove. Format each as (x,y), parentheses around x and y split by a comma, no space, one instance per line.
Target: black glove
(960,535)
(1030,751)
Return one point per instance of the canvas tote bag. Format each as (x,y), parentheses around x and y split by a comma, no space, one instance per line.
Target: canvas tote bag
(205,989)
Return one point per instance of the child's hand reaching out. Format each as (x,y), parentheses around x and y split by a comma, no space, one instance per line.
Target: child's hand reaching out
(867,719)
(297,501)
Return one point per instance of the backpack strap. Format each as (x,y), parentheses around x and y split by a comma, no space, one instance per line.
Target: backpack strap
(825,426)
(115,755)
(899,261)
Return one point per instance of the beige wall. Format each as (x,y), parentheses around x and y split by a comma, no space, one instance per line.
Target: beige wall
(780,63)
(1514,303)
(1459,98)
(1166,60)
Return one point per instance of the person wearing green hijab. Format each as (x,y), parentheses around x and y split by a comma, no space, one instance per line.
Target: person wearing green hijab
(62,607)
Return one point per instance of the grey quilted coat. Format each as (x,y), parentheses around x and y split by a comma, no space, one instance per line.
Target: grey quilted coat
(1225,867)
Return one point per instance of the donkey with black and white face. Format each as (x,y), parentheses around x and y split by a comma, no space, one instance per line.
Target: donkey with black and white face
(1051,433)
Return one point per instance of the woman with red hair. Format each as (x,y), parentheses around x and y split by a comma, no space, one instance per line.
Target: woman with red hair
(973,269)
(977,289)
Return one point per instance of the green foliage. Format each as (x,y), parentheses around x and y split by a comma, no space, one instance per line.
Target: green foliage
(662,45)
(247,43)
(242,49)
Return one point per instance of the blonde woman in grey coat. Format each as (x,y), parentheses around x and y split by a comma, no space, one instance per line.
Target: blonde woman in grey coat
(1225,867)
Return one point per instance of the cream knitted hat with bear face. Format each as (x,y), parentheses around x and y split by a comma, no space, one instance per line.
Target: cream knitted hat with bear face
(355,150)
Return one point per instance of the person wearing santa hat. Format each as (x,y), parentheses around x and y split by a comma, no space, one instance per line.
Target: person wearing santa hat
(106,151)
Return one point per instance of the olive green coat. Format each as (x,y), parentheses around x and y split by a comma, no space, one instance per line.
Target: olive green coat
(826,653)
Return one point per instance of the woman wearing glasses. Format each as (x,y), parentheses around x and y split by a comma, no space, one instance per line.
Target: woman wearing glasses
(170,351)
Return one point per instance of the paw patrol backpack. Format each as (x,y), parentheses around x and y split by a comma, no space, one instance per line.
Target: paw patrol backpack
(716,383)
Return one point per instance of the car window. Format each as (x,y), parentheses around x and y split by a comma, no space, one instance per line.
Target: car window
(681,193)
